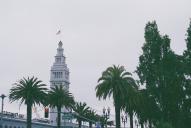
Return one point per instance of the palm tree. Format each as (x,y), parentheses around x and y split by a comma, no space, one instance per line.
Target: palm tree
(59,97)
(114,82)
(131,102)
(102,120)
(81,109)
(91,115)
(29,91)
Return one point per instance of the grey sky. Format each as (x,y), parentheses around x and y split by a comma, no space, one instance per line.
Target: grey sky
(95,35)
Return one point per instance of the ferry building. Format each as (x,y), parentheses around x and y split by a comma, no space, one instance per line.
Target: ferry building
(59,75)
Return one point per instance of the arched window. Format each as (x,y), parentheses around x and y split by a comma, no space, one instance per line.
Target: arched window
(15,127)
(6,126)
(10,126)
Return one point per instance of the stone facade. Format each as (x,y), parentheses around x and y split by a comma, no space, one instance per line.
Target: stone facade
(16,122)
(12,121)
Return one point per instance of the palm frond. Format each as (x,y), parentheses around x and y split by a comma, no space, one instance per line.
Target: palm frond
(58,96)
(25,89)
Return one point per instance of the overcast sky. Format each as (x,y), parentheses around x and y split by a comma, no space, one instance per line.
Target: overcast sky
(95,34)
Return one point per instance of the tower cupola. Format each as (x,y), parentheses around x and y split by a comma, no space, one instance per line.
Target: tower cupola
(60,50)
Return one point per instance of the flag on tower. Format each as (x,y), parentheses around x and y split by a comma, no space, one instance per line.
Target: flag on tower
(59,31)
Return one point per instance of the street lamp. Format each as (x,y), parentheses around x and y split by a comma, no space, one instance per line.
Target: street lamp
(106,114)
(2,97)
(136,123)
(124,119)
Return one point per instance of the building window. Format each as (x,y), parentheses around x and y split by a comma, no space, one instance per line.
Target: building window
(6,126)
(54,73)
(57,74)
(60,74)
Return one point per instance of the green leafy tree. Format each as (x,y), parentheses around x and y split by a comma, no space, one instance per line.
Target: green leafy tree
(29,91)
(59,97)
(159,69)
(163,124)
(146,109)
(115,82)
(187,52)
(149,61)
(186,114)
(82,110)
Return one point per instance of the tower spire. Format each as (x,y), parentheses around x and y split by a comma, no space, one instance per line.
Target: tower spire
(60,44)
(60,50)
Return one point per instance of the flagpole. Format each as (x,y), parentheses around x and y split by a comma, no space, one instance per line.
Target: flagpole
(59,34)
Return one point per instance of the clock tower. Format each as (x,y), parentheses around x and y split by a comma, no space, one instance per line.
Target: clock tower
(59,75)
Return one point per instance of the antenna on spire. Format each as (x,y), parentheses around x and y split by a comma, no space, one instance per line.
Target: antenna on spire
(59,37)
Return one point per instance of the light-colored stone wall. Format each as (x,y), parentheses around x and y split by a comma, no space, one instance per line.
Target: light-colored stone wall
(21,123)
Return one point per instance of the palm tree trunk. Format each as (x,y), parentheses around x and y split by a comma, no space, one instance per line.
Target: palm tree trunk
(142,126)
(102,125)
(117,115)
(29,115)
(150,124)
(90,124)
(59,117)
(79,123)
(131,119)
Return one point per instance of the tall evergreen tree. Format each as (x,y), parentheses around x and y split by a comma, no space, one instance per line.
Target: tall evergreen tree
(159,69)
(187,73)
(187,52)
(149,60)
(146,109)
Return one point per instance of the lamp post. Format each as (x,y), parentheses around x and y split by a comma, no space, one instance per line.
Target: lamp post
(2,105)
(124,119)
(106,114)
